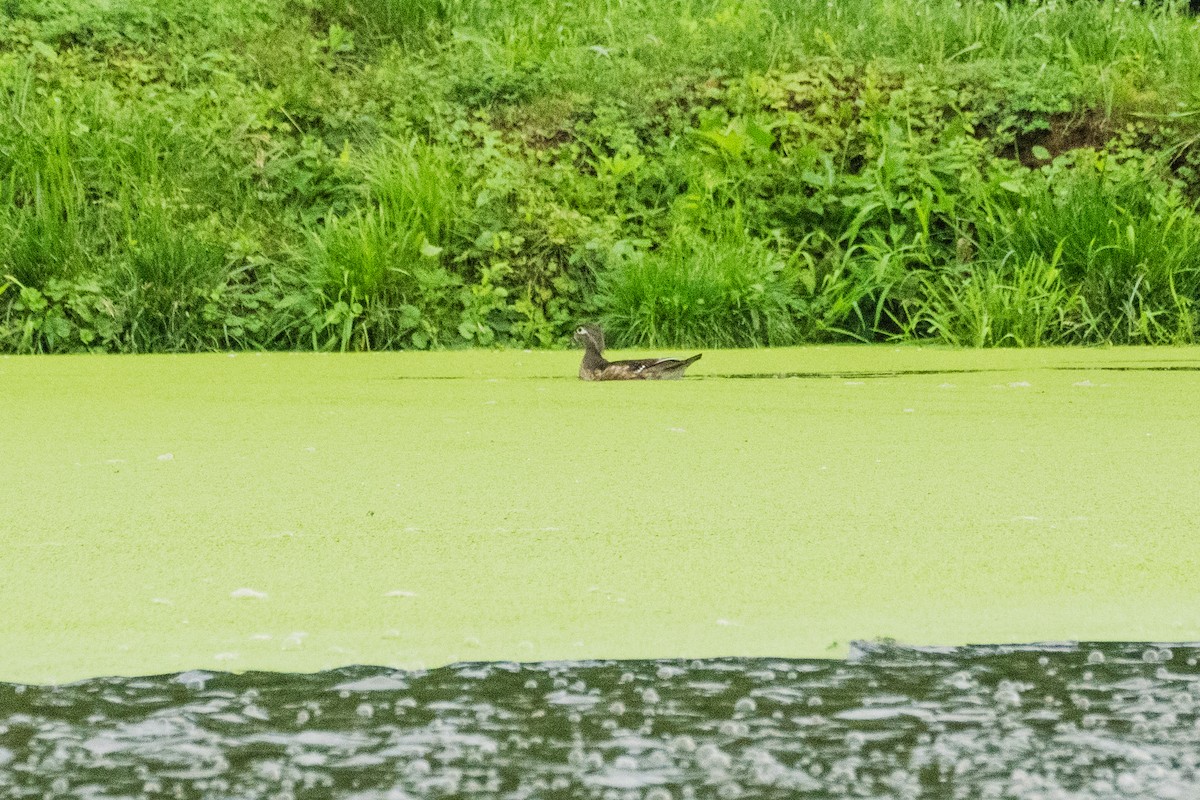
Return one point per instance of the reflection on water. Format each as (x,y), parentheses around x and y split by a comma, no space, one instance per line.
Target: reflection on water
(1189,366)
(1065,721)
(860,375)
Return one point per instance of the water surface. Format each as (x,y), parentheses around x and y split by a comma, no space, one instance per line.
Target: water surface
(1053,721)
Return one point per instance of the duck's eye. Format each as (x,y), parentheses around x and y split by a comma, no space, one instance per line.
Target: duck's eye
(580,331)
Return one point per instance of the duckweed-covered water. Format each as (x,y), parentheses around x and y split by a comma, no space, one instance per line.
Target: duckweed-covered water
(1065,721)
(300,512)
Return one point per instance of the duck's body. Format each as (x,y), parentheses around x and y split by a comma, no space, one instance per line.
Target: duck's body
(596,368)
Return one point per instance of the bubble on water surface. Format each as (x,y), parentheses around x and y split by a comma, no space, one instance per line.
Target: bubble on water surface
(166,457)
(733,728)
(399,593)
(564,698)
(255,712)
(193,679)
(712,758)
(294,640)
(390,682)
(248,593)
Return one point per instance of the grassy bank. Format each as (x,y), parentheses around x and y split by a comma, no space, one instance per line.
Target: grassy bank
(379,174)
(299,511)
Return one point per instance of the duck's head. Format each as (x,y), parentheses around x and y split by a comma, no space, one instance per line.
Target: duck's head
(590,336)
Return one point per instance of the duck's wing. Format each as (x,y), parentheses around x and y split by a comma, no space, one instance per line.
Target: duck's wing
(643,368)
(624,370)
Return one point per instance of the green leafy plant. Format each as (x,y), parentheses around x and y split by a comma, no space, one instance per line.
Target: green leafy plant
(1128,242)
(1006,305)
(731,291)
(370,174)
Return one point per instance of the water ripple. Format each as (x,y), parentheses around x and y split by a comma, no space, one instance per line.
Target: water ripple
(1079,722)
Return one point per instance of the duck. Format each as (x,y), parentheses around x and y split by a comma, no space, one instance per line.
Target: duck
(596,368)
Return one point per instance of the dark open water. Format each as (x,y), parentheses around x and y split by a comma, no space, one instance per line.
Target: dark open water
(1050,721)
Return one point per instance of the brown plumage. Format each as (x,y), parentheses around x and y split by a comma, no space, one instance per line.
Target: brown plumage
(596,368)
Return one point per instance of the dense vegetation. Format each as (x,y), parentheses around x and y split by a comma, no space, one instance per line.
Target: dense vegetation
(178,175)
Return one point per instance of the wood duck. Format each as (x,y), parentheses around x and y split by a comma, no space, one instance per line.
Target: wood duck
(595,368)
